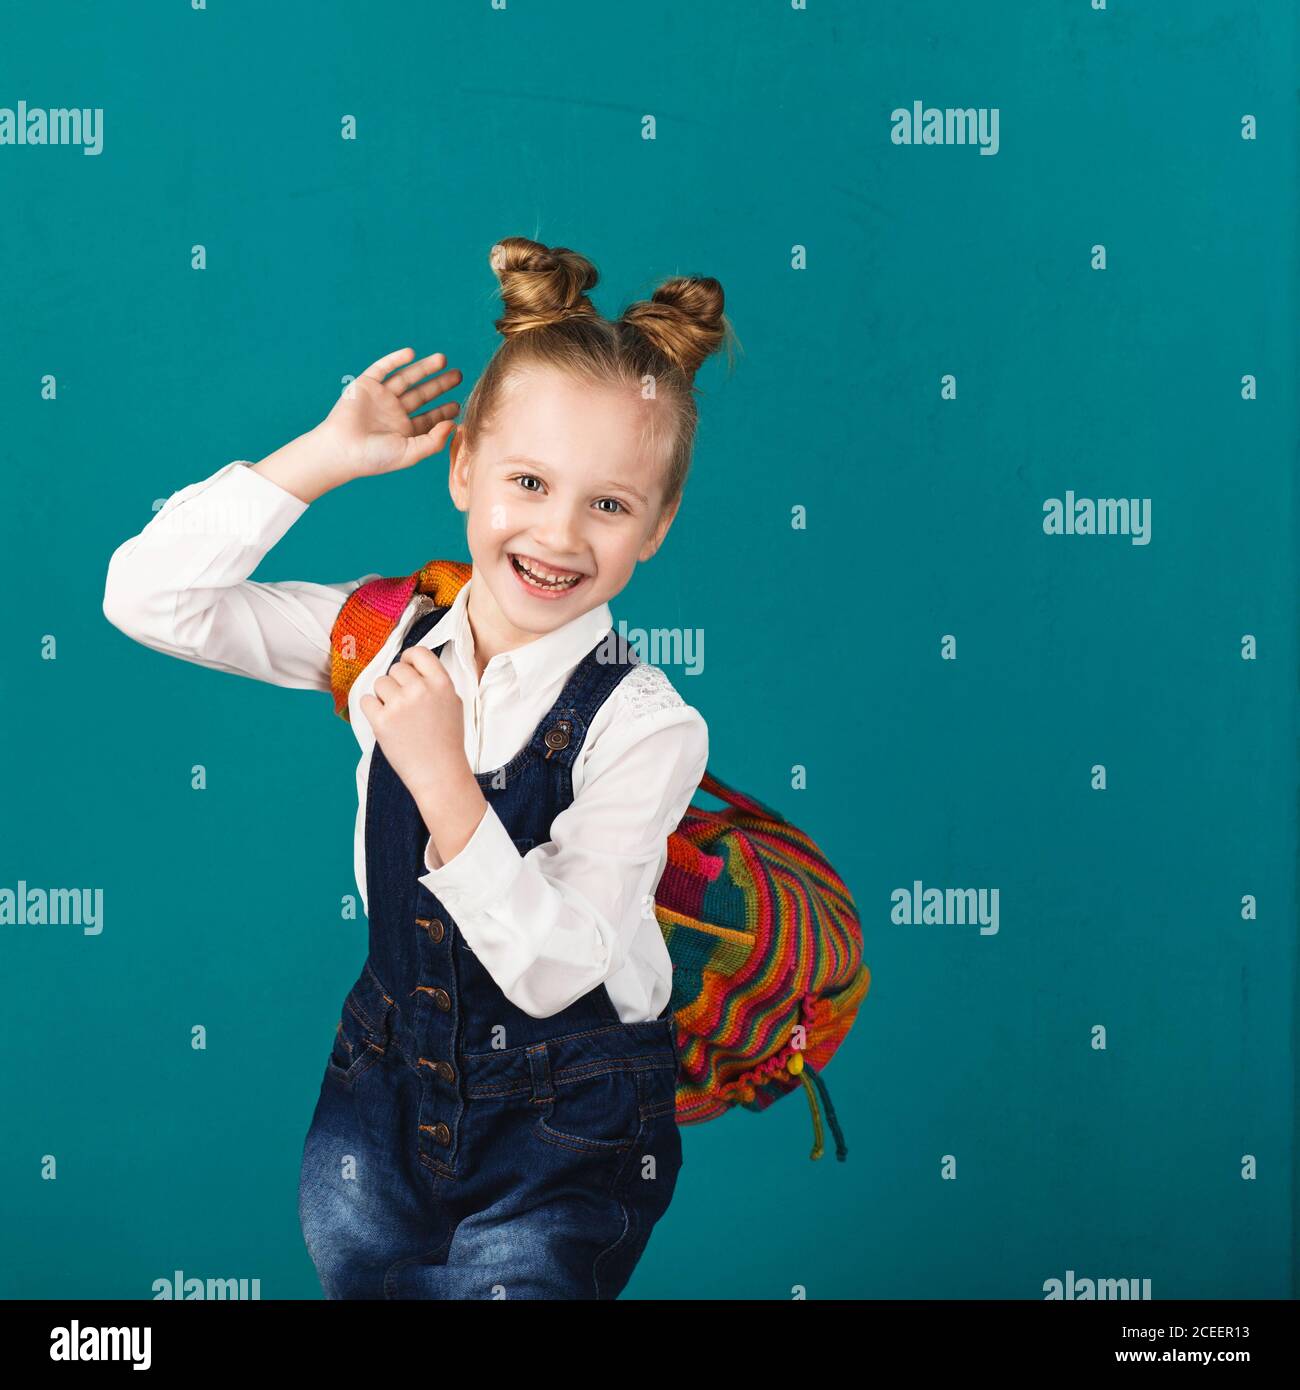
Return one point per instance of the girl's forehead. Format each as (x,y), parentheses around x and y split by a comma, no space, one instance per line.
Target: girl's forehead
(558,425)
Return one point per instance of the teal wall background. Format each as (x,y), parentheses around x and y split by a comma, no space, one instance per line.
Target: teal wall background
(1120,907)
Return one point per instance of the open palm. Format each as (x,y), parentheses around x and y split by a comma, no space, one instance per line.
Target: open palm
(371,424)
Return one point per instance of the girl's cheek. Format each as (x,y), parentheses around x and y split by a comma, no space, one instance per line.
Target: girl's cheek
(494,520)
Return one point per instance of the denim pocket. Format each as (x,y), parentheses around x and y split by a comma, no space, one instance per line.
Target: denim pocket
(361,1036)
(594,1110)
(659,1090)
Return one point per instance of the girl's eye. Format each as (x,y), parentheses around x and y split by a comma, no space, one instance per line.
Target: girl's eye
(616,503)
(528,478)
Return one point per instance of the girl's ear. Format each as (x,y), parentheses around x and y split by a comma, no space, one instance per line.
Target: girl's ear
(458,472)
(656,537)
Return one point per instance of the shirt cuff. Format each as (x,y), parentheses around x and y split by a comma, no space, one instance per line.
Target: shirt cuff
(236,502)
(270,510)
(484,870)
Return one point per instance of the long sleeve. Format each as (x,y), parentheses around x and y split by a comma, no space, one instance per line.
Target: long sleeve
(553,923)
(181,586)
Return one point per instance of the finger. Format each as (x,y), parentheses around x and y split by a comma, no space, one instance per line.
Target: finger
(400,674)
(372,710)
(377,371)
(422,424)
(423,663)
(385,688)
(417,371)
(418,395)
(422,446)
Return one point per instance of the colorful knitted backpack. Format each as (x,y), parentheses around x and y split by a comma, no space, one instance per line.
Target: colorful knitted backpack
(764,937)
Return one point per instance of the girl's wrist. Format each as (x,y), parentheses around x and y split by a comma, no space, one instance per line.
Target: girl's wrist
(451,809)
(307,466)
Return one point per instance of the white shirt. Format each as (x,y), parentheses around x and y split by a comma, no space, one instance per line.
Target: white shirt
(549,925)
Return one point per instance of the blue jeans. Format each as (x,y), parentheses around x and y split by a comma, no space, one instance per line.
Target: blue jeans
(568,1153)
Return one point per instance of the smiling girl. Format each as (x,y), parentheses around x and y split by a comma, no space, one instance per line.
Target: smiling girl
(497,1114)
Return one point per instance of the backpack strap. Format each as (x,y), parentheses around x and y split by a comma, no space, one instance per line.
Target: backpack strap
(740,804)
(371,612)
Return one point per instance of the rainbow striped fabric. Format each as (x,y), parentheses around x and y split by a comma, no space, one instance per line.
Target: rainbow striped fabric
(764,937)
(767,960)
(370,613)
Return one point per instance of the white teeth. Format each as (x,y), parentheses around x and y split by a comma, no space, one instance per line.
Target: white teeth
(544,578)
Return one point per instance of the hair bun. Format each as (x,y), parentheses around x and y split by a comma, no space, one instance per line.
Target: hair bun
(540,284)
(683,320)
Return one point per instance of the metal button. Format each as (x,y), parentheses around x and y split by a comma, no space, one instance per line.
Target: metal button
(558,737)
(444,1069)
(441,1133)
(432,925)
(442,999)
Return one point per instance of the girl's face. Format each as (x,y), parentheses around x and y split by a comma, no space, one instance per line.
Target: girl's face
(563,502)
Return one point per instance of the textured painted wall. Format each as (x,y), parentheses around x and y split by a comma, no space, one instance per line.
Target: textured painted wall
(941,340)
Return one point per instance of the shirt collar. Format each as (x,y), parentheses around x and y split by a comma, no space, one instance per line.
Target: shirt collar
(543,659)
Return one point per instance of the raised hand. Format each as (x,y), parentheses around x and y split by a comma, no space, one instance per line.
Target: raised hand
(370,429)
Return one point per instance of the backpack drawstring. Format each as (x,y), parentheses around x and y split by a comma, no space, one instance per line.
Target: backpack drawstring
(797,1066)
(817,1148)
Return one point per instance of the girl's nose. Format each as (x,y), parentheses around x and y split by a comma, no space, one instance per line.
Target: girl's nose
(559,532)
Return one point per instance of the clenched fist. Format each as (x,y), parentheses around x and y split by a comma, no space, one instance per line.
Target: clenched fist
(419,722)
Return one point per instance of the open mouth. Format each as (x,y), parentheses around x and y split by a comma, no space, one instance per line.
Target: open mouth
(544,579)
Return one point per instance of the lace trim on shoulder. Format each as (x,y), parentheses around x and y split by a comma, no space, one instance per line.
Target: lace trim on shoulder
(645,690)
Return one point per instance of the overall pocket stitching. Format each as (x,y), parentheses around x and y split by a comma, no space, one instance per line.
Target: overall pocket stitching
(582,1143)
(631,1218)
(363,1059)
(366,1050)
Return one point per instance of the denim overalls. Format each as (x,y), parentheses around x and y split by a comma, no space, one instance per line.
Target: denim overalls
(461,1148)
